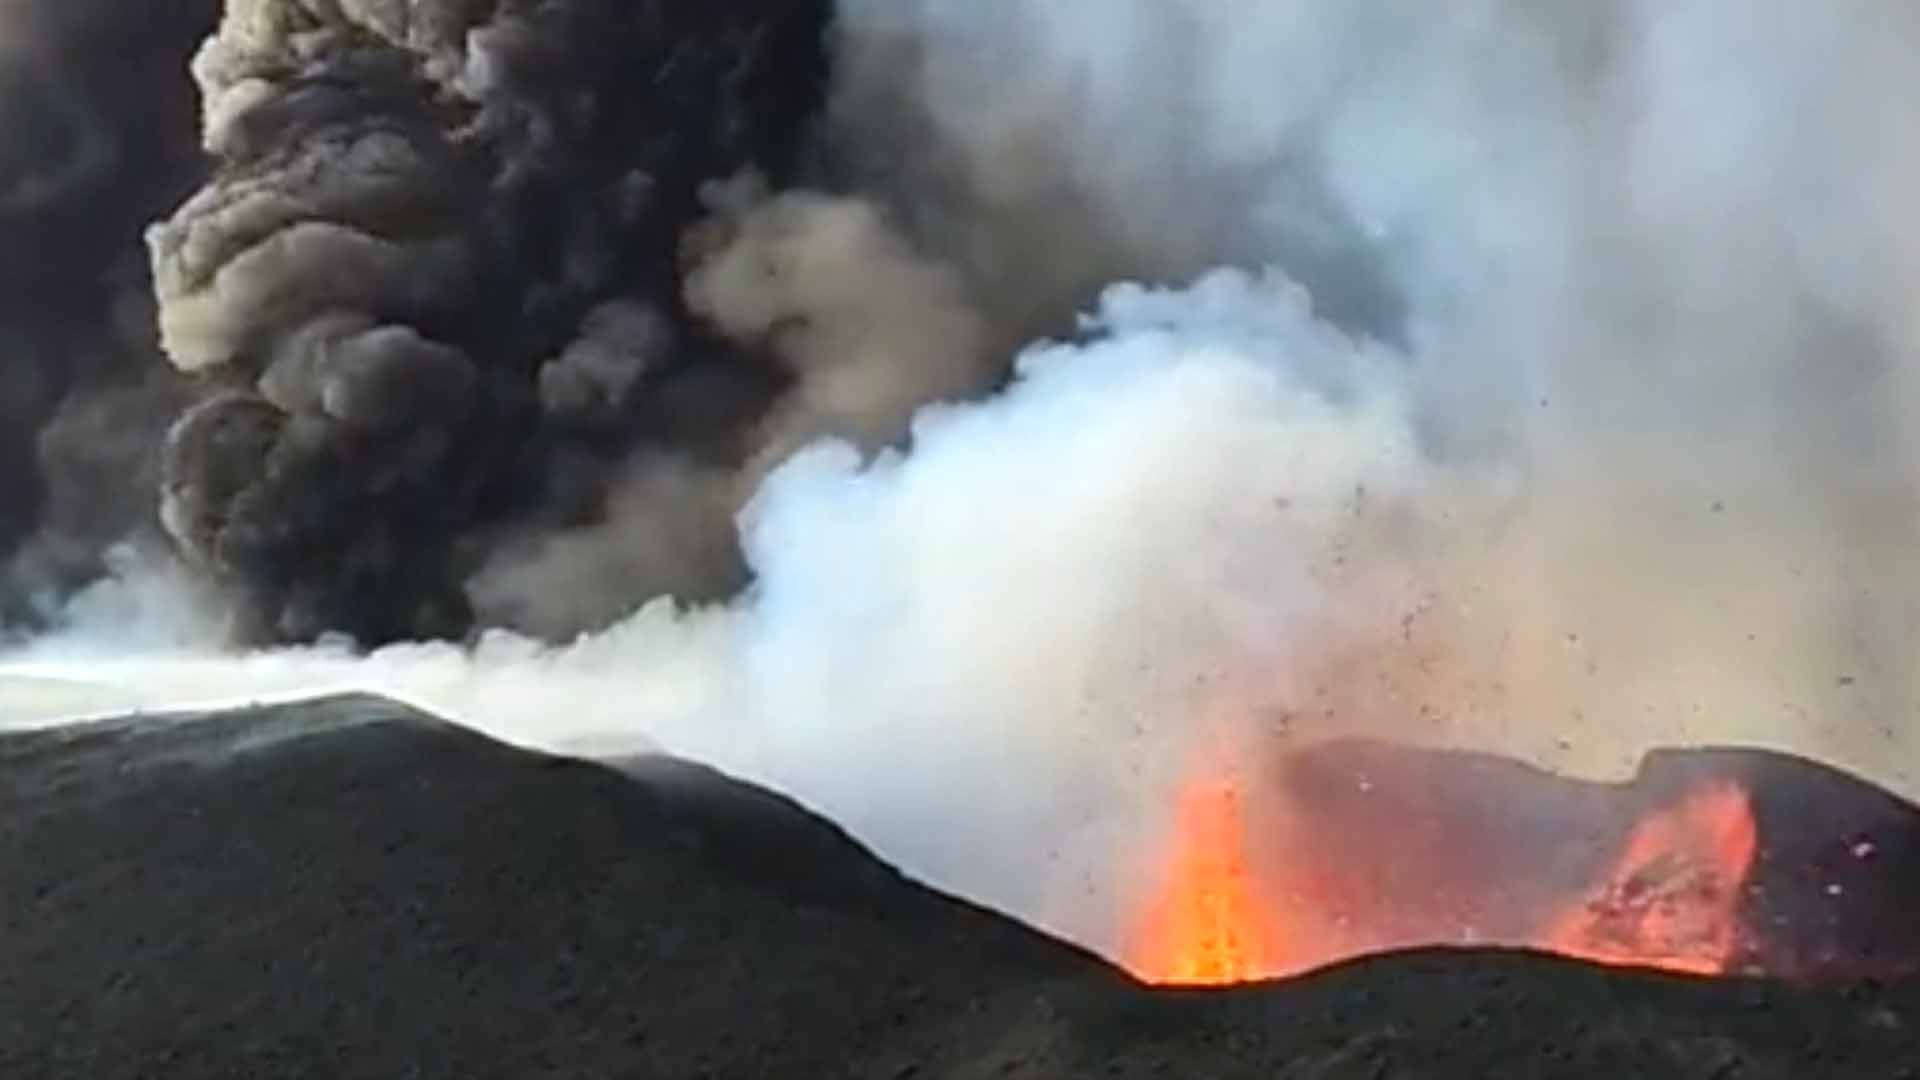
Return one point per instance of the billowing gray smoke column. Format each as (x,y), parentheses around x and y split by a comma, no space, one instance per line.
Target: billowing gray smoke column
(93,100)
(432,291)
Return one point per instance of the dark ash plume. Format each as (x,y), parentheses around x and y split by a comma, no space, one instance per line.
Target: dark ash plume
(93,100)
(434,284)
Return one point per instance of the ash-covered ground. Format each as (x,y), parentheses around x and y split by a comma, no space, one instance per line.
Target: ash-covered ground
(349,888)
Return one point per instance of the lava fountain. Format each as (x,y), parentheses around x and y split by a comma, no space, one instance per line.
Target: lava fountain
(1209,923)
(1709,863)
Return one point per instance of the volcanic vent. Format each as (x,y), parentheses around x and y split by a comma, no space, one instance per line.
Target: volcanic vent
(1708,862)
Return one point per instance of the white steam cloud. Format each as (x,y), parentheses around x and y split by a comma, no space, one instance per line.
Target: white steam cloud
(1017,623)
(1586,428)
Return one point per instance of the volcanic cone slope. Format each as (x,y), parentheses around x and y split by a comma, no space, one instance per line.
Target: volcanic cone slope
(347,888)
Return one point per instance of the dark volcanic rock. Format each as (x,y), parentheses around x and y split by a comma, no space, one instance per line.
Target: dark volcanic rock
(347,889)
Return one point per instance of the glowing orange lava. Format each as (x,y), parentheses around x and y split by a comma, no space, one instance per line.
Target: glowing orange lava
(1208,924)
(1670,898)
(1672,901)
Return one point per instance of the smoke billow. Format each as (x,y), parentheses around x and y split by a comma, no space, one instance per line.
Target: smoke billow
(1050,589)
(864,331)
(93,98)
(1531,377)
(436,271)
(1658,261)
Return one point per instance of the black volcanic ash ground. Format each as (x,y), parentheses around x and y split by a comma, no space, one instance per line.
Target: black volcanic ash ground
(349,889)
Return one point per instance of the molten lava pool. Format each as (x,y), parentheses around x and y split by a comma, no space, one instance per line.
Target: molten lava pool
(1708,863)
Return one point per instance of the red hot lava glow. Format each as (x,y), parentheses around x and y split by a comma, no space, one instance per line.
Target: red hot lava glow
(1669,900)
(1673,899)
(1209,924)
